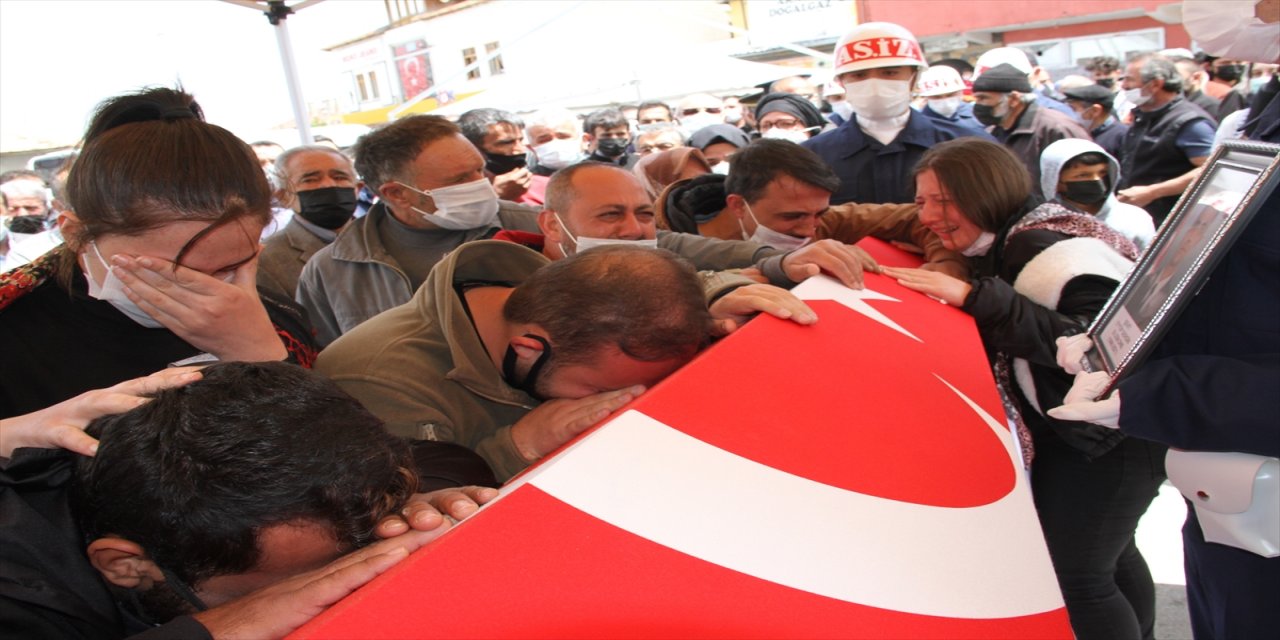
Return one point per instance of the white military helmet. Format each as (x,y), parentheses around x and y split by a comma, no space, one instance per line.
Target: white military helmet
(939,80)
(877,44)
(1002,55)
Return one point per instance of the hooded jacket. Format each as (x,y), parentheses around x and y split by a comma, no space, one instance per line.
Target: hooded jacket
(1134,222)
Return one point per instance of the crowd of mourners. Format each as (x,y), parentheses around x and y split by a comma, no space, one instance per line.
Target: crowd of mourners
(240,381)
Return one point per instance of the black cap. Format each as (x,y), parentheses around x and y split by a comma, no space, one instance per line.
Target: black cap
(1091,93)
(1002,78)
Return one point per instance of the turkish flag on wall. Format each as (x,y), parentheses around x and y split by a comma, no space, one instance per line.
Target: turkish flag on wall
(854,478)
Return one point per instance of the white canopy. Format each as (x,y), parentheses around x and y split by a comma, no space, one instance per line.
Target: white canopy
(587,82)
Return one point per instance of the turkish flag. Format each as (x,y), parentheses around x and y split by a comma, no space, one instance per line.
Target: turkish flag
(853,478)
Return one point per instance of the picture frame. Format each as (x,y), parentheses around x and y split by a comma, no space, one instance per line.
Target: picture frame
(1208,218)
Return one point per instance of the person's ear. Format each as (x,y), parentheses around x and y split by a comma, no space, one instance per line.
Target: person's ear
(736,205)
(124,563)
(527,349)
(71,229)
(549,226)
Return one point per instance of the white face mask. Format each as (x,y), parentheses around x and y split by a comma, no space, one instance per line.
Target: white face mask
(877,98)
(464,206)
(582,243)
(721,168)
(559,153)
(768,237)
(842,108)
(790,135)
(699,120)
(1230,29)
(1135,97)
(112,291)
(946,107)
(981,245)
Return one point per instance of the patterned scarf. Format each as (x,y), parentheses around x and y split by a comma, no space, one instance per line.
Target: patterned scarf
(1051,216)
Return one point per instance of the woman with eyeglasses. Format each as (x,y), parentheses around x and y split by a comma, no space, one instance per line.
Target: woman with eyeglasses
(158,267)
(787,116)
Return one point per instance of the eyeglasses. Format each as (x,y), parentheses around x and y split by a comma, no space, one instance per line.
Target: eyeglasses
(694,112)
(783,123)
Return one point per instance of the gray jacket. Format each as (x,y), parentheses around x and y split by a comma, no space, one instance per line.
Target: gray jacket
(283,256)
(355,278)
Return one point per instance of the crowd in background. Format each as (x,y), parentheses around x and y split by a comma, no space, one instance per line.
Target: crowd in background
(486,289)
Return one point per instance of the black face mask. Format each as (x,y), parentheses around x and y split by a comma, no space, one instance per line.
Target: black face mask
(986,115)
(1229,72)
(611,147)
(27,224)
(498,165)
(327,208)
(1106,83)
(1087,191)
(529,384)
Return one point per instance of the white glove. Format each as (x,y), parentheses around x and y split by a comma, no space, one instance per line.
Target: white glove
(1071,350)
(1080,403)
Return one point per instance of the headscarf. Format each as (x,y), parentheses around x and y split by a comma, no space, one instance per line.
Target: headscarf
(792,105)
(659,170)
(707,136)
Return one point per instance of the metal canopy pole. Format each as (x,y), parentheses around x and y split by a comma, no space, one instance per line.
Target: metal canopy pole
(277,11)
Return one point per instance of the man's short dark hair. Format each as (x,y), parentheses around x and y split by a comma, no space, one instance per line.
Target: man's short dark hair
(194,475)
(384,155)
(762,161)
(1102,64)
(476,122)
(1086,159)
(648,303)
(603,119)
(656,104)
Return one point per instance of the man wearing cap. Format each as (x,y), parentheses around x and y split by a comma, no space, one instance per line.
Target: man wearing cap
(1093,106)
(1004,101)
(1025,62)
(788,116)
(875,152)
(943,91)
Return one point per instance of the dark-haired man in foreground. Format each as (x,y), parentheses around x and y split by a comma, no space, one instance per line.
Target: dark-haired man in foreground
(241,505)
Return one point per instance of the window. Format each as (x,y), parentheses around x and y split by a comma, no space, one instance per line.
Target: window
(468,60)
(367,86)
(495,59)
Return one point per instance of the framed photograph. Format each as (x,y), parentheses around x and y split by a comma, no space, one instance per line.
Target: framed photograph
(1236,182)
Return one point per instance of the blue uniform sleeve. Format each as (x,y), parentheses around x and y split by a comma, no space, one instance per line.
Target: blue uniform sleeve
(1205,403)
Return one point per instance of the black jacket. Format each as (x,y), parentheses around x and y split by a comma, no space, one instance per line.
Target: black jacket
(48,589)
